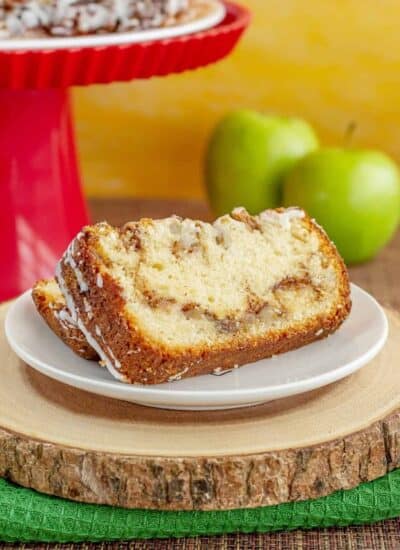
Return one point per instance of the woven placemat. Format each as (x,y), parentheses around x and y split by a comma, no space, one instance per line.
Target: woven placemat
(29,516)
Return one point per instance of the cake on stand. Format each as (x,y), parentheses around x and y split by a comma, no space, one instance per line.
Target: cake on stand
(41,201)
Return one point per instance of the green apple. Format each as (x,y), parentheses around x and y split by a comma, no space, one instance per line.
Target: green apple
(247,157)
(353,194)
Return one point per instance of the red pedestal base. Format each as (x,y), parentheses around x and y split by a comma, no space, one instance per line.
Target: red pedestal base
(41,203)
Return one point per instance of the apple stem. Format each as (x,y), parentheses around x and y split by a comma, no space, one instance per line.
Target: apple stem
(349,133)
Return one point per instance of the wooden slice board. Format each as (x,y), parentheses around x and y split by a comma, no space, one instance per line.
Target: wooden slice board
(72,444)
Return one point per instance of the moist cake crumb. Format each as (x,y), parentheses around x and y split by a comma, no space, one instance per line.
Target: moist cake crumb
(195,297)
(51,305)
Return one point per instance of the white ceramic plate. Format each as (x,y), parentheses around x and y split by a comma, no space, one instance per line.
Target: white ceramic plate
(214,14)
(360,338)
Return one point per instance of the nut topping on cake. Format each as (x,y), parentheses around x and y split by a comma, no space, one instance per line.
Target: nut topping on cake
(191,297)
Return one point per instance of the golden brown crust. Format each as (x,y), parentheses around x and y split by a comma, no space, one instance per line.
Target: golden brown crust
(142,362)
(50,309)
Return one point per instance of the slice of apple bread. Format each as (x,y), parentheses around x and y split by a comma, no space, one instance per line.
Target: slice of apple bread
(50,304)
(161,300)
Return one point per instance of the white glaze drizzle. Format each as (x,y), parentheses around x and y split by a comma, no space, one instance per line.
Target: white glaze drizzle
(282,218)
(68,298)
(220,372)
(70,260)
(99,280)
(88,308)
(99,350)
(74,311)
(117,364)
(178,375)
(65,320)
(64,315)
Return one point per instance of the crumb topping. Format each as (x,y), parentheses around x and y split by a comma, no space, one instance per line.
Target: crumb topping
(79,17)
(236,277)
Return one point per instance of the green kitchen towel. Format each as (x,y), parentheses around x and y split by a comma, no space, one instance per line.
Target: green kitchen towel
(29,516)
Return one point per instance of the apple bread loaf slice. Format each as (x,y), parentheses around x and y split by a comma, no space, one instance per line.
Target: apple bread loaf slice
(160,300)
(50,303)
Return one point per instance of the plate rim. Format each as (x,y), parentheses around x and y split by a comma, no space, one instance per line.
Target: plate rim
(145,394)
(218,12)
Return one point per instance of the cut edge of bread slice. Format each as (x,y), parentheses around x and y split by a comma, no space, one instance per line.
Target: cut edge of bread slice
(50,303)
(139,293)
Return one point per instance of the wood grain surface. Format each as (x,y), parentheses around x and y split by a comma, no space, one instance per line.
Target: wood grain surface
(112,452)
(380,277)
(294,449)
(381,536)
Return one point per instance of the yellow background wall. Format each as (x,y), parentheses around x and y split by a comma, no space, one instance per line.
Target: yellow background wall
(332,61)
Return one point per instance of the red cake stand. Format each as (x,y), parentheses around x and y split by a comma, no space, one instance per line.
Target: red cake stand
(41,201)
